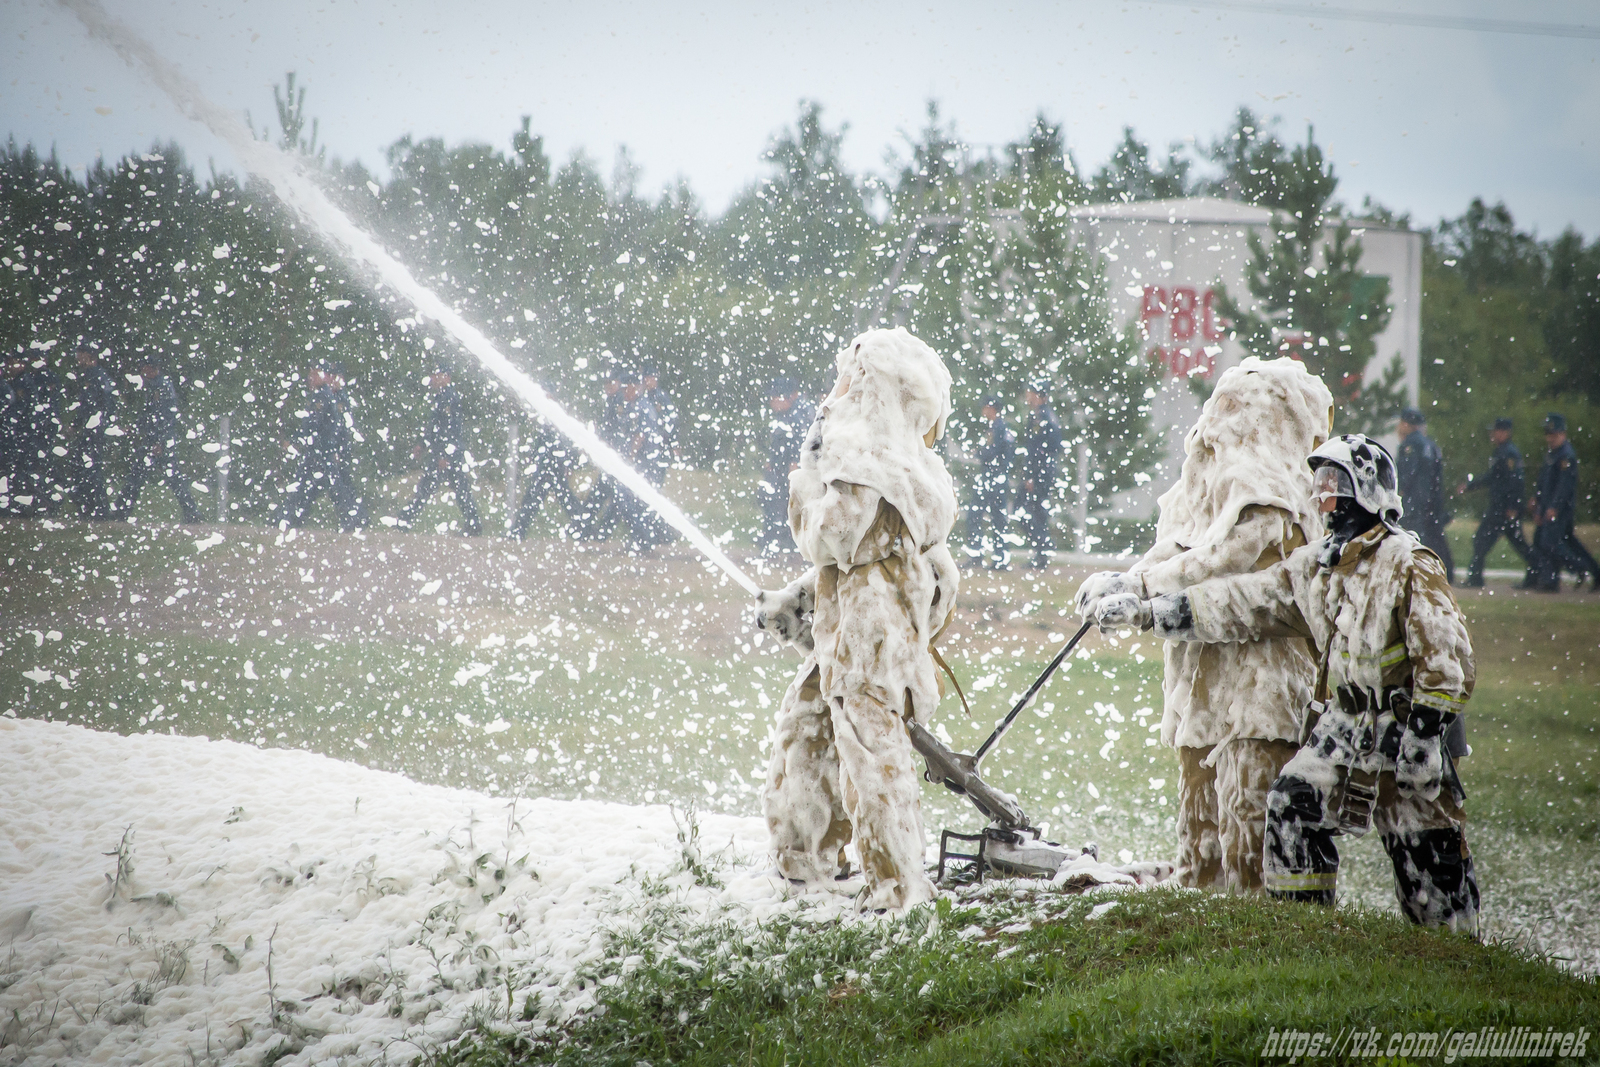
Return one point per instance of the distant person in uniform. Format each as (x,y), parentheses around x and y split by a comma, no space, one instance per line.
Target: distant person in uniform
(547,462)
(1040,449)
(11,433)
(444,443)
(652,447)
(38,432)
(327,435)
(792,415)
(355,518)
(986,517)
(1420,467)
(1555,544)
(599,510)
(92,412)
(623,412)
(1505,481)
(155,441)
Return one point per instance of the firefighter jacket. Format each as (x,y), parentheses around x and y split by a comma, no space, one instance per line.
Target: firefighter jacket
(1382,617)
(1217,692)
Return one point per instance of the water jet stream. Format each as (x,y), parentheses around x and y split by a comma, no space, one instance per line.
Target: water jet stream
(359,248)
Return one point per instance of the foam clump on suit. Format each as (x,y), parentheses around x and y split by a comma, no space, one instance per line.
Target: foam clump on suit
(871,506)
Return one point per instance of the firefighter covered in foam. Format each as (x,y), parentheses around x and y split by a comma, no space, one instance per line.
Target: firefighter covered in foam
(871,506)
(1395,672)
(1241,503)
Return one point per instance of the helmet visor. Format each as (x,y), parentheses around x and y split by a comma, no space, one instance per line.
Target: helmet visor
(1329,481)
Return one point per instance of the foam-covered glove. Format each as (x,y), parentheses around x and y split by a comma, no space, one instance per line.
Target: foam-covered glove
(1419,765)
(1104,584)
(1123,611)
(786,613)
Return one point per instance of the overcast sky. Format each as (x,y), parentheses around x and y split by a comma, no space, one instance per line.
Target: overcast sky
(1421,118)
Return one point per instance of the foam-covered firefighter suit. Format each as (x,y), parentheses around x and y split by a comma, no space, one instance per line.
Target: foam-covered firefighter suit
(871,507)
(1396,672)
(1240,504)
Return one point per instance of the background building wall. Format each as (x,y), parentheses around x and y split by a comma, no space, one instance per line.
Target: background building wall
(1165,261)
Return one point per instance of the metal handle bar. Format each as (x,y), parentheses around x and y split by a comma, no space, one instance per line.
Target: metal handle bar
(1033,690)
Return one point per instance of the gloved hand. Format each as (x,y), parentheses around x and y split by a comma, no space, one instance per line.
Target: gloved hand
(1104,584)
(786,612)
(1123,611)
(1419,765)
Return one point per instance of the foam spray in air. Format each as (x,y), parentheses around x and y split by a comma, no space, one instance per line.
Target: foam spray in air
(358,248)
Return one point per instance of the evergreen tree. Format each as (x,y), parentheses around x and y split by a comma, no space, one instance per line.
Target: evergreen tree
(1053,322)
(1253,163)
(1311,300)
(1487,251)
(997,284)
(1572,325)
(807,216)
(291,108)
(1129,175)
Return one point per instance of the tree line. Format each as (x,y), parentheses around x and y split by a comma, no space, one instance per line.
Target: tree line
(572,272)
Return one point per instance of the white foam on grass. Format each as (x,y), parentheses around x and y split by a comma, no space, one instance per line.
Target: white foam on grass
(387,926)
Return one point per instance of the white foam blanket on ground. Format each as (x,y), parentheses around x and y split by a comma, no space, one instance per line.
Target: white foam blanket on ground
(378,895)
(279,898)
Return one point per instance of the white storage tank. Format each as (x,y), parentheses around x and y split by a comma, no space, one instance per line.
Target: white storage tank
(1164,261)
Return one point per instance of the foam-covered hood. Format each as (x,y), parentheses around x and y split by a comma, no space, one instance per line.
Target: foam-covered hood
(876,428)
(1249,446)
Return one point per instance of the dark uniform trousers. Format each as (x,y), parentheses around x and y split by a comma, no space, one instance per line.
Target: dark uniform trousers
(1490,530)
(987,520)
(1556,548)
(456,478)
(163,464)
(327,469)
(89,476)
(549,476)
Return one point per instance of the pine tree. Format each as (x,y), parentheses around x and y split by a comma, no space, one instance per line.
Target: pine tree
(1312,301)
(1129,175)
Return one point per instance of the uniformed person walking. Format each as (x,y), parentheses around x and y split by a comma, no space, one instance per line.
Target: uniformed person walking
(1505,481)
(1420,468)
(987,519)
(1040,450)
(156,434)
(327,435)
(1555,545)
(599,509)
(792,415)
(12,420)
(354,516)
(547,463)
(38,436)
(444,443)
(656,445)
(92,412)
(652,447)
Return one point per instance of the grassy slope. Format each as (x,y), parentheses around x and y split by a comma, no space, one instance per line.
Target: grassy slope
(1164,976)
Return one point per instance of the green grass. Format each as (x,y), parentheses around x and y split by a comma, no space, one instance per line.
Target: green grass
(1026,977)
